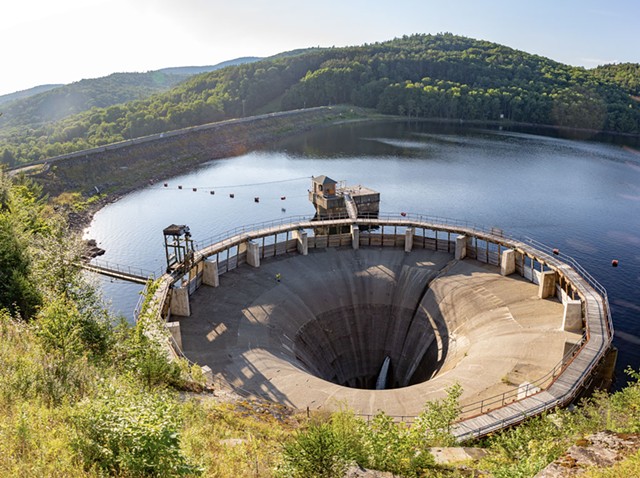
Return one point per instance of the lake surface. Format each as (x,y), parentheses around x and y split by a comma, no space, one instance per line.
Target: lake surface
(580,197)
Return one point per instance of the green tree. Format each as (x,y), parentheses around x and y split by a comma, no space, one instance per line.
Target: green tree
(18,220)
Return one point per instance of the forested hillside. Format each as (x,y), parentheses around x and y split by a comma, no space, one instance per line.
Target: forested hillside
(41,105)
(435,76)
(626,75)
(76,97)
(18,95)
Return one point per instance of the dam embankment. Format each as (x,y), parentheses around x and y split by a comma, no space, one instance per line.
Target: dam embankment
(110,171)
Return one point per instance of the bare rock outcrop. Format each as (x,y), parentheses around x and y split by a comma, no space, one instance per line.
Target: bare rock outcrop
(604,449)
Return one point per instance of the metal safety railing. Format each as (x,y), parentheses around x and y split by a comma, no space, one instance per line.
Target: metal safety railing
(122,269)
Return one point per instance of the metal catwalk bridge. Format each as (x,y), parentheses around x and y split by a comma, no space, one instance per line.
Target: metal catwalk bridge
(119,271)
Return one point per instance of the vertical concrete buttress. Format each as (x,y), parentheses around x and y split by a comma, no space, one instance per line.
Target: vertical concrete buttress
(174,329)
(355,237)
(180,301)
(508,262)
(300,235)
(547,287)
(572,318)
(208,374)
(210,274)
(253,253)
(408,239)
(461,247)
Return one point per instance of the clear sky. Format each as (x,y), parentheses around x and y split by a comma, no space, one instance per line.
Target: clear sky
(62,41)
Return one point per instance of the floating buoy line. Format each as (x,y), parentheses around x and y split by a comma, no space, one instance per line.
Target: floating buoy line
(212,189)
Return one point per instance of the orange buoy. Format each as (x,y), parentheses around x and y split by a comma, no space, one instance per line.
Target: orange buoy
(614,263)
(556,251)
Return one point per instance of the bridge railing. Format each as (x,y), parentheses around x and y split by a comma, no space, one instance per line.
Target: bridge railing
(124,269)
(290,220)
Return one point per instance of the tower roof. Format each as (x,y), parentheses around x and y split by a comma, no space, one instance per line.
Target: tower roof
(324,180)
(175,230)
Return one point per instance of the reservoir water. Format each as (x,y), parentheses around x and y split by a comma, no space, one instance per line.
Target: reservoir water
(578,196)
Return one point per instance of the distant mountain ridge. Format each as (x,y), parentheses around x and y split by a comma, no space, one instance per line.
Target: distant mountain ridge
(196,70)
(42,104)
(418,76)
(18,95)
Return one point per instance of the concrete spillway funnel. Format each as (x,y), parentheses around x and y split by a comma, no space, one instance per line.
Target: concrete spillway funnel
(320,335)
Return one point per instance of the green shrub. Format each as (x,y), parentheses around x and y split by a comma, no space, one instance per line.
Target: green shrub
(149,362)
(58,329)
(395,447)
(526,449)
(36,442)
(435,423)
(623,414)
(326,448)
(232,440)
(316,452)
(132,434)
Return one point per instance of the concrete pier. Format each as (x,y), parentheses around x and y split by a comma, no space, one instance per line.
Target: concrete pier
(572,317)
(208,374)
(174,330)
(302,244)
(180,302)
(547,287)
(355,237)
(461,247)
(253,253)
(508,262)
(408,239)
(210,274)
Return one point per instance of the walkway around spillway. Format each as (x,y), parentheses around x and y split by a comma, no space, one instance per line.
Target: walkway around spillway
(568,378)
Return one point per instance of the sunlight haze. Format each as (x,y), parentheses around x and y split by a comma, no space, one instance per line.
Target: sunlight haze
(61,42)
